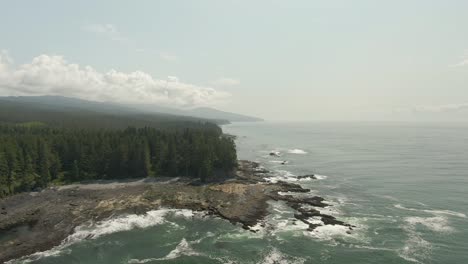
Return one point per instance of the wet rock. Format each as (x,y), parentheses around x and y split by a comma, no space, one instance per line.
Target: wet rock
(305,214)
(275,154)
(312,176)
(286,186)
(295,201)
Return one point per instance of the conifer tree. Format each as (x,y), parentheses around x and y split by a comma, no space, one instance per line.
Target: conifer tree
(34,157)
(3,175)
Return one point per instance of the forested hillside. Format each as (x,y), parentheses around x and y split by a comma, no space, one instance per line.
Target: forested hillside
(89,115)
(214,115)
(33,157)
(42,145)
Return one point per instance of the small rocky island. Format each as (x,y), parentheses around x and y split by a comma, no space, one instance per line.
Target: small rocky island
(38,221)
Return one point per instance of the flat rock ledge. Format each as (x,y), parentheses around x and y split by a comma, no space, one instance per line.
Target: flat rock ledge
(38,221)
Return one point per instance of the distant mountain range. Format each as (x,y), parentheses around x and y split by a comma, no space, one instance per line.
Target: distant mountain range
(200,112)
(68,103)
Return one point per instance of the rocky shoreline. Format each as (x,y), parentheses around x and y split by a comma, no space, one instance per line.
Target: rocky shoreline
(32,222)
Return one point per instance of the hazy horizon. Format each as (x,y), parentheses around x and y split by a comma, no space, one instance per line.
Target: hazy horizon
(295,61)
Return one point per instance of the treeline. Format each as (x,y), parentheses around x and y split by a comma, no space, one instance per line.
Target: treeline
(33,157)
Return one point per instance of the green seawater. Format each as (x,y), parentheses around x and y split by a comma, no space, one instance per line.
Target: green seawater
(404,187)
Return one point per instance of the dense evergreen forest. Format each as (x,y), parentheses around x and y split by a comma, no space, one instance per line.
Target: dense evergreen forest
(91,115)
(33,156)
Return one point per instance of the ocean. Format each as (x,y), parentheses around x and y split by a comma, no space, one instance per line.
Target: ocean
(404,186)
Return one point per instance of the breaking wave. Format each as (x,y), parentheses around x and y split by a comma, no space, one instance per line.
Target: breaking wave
(279,161)
(274,256)
(437,212)
(320,177)
(182,249)
(297,151)
(98,229)
(284,175)
(124,223)
(329,232)
(281,175)
(437,224)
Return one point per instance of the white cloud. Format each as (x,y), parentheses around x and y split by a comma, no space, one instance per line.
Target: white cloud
(5,56)
(226,82)
(5,60)
(463,60)
(173,78)
(107,30)
(435,108)
(443,108)
(53,75)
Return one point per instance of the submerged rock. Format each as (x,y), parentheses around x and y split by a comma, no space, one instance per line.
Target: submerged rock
(275,154)
(312,176)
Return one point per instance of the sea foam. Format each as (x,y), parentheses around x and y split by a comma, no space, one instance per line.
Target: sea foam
(437,224)
(437,212)
(416,248)
(98,229)
(274,256)
(328,232)
(281,175)
(297,151)
(320,177)
(124,223)
(182,249)
(284,175)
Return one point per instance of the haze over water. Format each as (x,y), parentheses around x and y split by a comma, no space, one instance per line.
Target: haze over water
(402,185)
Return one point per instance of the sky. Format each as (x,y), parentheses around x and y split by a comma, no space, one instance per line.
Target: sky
(330,60)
